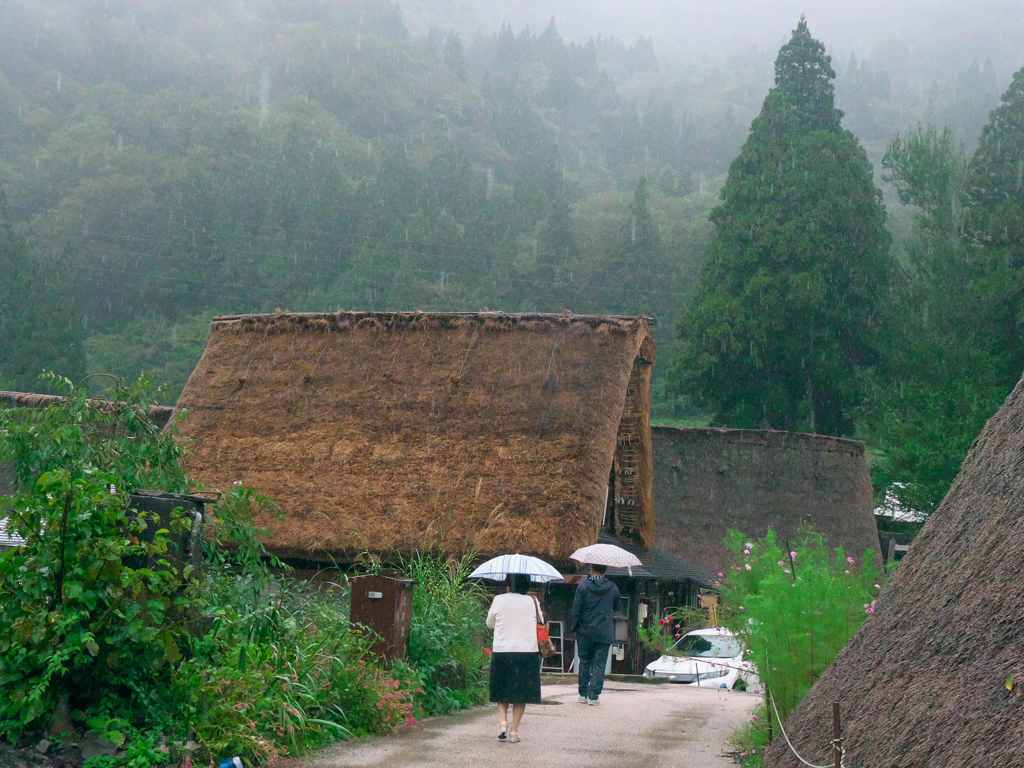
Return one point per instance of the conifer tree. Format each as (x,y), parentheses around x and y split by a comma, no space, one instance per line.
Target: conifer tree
(38,325)
(786,312)
(635,264)
(994,221)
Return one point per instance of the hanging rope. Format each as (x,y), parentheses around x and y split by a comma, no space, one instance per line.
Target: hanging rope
(835,742)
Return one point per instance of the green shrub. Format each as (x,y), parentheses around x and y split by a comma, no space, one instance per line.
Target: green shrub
(661,635)
(795,609)
(445,661)
(279,672)
(88,604)
(153,658)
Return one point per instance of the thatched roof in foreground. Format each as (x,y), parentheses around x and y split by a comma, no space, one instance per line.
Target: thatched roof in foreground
(401,431)
(707,481)
(922,682)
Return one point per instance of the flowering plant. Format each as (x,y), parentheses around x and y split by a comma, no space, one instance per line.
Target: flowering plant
(661,635)
(795,605)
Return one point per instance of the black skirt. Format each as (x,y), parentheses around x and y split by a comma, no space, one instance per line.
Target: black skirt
(515,678)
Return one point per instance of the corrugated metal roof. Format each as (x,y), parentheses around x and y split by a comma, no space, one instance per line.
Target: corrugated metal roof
(8,539)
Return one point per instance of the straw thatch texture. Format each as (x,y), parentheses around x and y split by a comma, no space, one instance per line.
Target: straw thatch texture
(403,431)
(922,682)
(710,480)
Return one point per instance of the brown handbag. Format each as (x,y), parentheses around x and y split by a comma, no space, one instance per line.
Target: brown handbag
(544,644)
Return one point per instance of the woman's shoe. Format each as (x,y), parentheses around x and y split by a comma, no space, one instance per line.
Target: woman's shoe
(503,734)
(513,738)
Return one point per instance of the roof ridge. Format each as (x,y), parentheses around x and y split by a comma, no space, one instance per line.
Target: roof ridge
(415,314)
(808,436)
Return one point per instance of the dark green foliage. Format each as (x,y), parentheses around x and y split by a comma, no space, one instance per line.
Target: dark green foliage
(82,619)
(945,372)
(38,324)
(994,219)
(637,263)
(147,653)
(172,173)
(787,310)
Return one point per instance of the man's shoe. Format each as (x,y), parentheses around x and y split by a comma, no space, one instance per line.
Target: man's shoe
(592,702)
(581,699)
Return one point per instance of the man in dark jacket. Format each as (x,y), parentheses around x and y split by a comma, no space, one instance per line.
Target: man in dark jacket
(592,622)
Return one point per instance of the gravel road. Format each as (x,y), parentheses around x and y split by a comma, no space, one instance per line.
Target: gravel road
(635,726)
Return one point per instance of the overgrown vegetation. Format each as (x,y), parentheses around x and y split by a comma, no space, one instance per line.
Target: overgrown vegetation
(446,658)
(116,637)
(794,607)
(663,633)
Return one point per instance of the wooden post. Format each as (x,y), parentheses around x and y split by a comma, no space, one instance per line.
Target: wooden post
(837,737)
(59,590)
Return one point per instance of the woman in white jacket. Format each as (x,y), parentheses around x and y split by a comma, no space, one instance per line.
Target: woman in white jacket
(515,663)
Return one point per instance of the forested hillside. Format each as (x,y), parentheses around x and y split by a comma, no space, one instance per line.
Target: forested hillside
(163,161)
(173,160)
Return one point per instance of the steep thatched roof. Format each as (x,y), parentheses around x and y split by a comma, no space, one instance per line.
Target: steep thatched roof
(923,682)
(400,431)
(707,481)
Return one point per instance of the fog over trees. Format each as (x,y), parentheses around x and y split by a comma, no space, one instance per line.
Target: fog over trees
(162,161)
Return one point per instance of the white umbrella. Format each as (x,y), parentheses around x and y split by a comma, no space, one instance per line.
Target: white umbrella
(499,568)
(606,554)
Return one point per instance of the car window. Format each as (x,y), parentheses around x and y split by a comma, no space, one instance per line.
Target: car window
(707,646)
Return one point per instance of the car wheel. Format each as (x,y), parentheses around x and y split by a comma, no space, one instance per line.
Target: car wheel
(740,685)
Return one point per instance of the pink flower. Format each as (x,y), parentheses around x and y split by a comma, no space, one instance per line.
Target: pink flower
(721,575)
(663,622)
(850,560)
(869,608)
(792,554)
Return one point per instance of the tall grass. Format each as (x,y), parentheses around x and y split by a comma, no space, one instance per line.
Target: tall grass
(280,672)
(445,655)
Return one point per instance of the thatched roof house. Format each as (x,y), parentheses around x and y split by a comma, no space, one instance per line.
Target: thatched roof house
(936,676)
(396,431)
(710,480)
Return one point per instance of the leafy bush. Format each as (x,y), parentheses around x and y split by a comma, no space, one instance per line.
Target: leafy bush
(661,636)
(91,605)
(279,672)
(794,609)
(155,659)
(445,659)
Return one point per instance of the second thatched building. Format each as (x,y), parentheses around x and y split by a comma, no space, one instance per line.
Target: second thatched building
(391,432)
